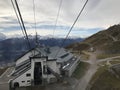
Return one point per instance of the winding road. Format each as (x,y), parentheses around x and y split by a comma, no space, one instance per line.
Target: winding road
(84,81)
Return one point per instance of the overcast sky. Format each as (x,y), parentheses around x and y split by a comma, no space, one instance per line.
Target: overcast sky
(98,15)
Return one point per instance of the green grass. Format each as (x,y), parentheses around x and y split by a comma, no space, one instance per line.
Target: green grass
(103,56)
(84,57)
(80,70)
(114,62)
(99,72)
(3,70)
(104,80)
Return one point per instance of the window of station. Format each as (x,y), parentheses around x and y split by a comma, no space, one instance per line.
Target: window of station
(23,81)
(28,74)
(63,56)
(28,81)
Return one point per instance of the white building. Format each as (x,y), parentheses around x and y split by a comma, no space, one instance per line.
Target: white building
(42,65)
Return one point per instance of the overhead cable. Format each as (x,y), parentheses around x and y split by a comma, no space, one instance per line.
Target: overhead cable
(34,15)
(72,27)
(58,13)
(23,24)
(17,16)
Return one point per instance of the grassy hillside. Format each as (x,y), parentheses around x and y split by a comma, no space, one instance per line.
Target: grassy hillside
(80,70)
(106,41)
(106,81)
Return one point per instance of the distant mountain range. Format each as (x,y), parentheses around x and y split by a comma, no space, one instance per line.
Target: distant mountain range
(105,42)
(12,48)
(2,36)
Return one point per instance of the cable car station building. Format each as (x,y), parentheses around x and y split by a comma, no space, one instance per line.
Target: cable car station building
(43,65)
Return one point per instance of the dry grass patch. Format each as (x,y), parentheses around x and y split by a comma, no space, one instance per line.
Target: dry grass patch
(114,62)
(106,81)
(99,72)
(84,57)
(80,70)
(103,56)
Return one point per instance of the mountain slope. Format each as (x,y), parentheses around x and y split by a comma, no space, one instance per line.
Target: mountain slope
(105,41)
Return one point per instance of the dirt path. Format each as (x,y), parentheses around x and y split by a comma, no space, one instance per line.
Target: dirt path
(89,73)
(84,81)
(107,59)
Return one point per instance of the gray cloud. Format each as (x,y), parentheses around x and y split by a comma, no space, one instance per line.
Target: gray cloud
(97,14)
(93,4)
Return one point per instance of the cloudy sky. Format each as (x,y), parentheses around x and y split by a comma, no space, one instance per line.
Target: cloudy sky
(98,15)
